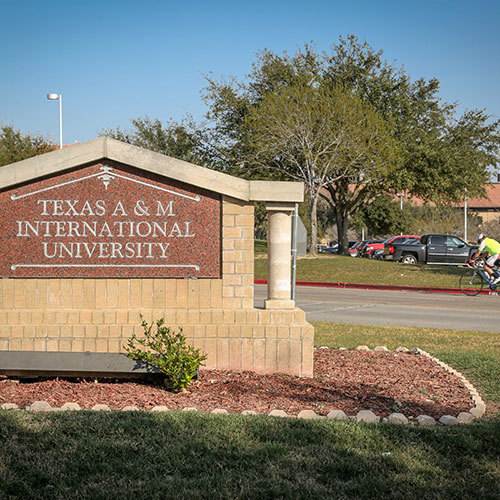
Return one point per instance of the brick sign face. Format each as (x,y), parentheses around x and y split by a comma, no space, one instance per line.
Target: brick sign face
(109,220)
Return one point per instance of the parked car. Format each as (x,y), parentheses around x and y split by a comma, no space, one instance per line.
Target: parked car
(370,246)
(388,245)
(435,249)
(332,249)
(353,251)
(379,253)
(335,248)
(362,246)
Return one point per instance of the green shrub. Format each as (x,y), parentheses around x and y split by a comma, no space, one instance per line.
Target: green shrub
(167,351)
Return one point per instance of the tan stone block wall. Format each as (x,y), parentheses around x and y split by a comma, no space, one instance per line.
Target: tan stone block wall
(487,216)
(217,315)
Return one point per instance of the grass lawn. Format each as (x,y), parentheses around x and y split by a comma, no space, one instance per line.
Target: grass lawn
(357,270)
(260,247)
(184,455)
(137,455)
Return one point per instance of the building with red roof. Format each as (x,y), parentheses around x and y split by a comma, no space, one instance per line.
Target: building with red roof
(487,208)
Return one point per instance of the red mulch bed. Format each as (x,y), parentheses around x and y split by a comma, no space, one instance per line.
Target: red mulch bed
(384,382)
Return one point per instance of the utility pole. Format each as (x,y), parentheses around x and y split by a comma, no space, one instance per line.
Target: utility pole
(465,217)
(401,196)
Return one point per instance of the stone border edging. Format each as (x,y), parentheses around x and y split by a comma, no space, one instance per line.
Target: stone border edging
(362,416)
(479,408)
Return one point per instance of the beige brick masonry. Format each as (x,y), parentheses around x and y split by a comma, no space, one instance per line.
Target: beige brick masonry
(217,315)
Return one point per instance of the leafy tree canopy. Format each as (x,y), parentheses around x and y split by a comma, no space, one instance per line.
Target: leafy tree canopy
(435,155)
(16,146)
(323,136)
(382,217)
(182,140)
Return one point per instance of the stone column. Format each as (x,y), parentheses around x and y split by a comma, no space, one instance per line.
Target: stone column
(279,240)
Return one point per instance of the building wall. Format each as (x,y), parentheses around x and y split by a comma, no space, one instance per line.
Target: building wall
(487,216)
(217,314)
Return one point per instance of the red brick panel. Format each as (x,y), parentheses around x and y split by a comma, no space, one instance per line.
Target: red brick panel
(109,220)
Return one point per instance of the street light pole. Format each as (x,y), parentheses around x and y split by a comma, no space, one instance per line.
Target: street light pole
(58,97)
(401,196)
(465,217)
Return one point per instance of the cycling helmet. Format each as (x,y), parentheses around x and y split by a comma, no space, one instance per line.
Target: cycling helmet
(480,237)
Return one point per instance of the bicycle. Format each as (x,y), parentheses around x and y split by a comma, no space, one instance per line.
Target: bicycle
(474,279)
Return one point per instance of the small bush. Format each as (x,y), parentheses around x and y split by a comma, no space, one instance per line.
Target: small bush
(167,351)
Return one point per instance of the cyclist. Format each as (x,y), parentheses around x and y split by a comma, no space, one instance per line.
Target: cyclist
(492,248)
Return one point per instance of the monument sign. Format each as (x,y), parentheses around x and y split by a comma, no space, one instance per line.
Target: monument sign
(97,234)
(107,220)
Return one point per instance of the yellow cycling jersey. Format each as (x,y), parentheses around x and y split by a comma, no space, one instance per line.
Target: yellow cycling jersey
(491,246)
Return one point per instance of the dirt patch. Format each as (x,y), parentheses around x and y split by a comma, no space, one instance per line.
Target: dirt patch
(384,382)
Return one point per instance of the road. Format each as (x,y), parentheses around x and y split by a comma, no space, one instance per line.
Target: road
(380,307)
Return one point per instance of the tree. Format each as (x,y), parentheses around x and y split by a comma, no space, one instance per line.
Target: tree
(230,102)
(441,219)
(298,81)
(183,140)
(16,146)
(324,137)
(382,217)
(442,156)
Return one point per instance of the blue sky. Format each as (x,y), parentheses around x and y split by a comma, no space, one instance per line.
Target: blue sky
(117,60)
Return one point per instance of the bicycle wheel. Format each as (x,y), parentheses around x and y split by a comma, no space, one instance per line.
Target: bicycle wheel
(471,282)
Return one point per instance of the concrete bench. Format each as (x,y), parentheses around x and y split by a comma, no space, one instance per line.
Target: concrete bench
(72,364)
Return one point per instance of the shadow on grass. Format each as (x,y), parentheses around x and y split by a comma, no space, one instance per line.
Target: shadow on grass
(454,271)
(179,455)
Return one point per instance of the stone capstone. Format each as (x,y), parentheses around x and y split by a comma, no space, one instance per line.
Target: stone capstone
(367,416)
(425,420)
(9,406)
(465,417)
(70,407)
(248,412)
(277,413)
(478,410)
(337,415)
(40,406)
(397,418)
(308,415)
(160,408)
(416,350)
(219,411)
(448,420)
(101,408)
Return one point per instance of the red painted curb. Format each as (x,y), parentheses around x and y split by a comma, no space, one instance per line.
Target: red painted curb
(367,286)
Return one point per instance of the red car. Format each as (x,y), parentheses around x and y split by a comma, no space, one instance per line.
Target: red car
(370,247)
(353,250)
(384,245)
(389,249)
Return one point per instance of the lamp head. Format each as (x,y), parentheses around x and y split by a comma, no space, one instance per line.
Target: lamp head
(53,97)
